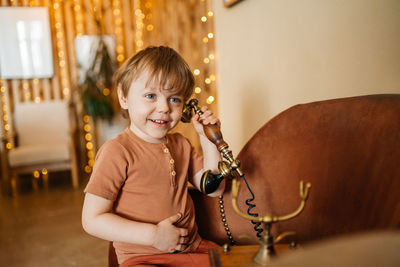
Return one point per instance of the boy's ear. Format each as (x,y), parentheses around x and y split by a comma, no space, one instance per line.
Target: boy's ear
(122,99)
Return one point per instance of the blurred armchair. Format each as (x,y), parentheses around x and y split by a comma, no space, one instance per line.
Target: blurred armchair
(43,141)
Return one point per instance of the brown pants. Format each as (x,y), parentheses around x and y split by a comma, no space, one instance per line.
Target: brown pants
(197,258)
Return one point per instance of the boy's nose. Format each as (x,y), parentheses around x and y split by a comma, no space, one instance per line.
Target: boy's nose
(163,106)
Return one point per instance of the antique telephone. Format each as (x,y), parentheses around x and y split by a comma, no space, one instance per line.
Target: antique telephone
(229,167)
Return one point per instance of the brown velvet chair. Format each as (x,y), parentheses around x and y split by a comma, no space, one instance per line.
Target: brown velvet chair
(348,149)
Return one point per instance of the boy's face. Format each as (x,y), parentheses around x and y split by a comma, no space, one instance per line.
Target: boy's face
(153,111)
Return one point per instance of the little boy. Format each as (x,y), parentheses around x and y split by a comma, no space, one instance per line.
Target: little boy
(137,195)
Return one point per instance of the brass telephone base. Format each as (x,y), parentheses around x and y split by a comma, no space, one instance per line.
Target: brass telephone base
(264,255)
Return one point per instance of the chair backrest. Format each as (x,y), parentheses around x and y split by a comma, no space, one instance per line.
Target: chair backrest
(348,149)
(46,122)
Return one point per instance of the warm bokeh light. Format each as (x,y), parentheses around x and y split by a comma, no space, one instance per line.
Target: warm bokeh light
(36,174)
(106,91)
(90,154)
(120,49)
(86,118)
(88,169)
(150,27)
(120,58)
(88,137)
(89,145)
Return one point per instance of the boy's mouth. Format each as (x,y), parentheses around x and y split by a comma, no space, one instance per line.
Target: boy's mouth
(159,122)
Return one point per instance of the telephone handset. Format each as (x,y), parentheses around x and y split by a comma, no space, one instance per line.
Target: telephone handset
(228,166)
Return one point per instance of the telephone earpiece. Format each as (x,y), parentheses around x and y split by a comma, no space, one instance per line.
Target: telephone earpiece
(212,131)
(186,113)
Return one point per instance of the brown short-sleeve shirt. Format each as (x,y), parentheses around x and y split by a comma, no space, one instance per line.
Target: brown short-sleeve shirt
(148,183)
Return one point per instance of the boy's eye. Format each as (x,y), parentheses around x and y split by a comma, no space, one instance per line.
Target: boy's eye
(175,100)
(150,96)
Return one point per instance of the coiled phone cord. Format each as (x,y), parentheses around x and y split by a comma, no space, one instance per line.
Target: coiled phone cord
(257,225)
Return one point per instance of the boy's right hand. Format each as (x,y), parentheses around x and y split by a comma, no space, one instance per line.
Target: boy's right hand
(170,238)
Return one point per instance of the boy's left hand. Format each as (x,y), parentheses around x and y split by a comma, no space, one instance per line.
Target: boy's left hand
(207,118)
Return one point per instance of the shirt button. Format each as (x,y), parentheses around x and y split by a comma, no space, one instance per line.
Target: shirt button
(173,173)
(171,161)
(166,150)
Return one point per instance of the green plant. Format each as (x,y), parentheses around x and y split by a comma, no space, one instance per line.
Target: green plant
(97,83)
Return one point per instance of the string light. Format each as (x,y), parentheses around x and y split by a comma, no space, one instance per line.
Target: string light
(79,28)
(148,11)
(120,49)
(88,121)
(139,25)
(78,19)
(5,109)
(206,60)
(62,62)
(89,144)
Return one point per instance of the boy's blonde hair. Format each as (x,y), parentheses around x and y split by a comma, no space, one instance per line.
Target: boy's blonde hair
(165,66)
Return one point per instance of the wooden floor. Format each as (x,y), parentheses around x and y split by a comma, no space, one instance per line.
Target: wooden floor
(42,227)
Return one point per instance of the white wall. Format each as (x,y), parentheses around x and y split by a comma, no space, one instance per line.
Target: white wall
(274,54)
